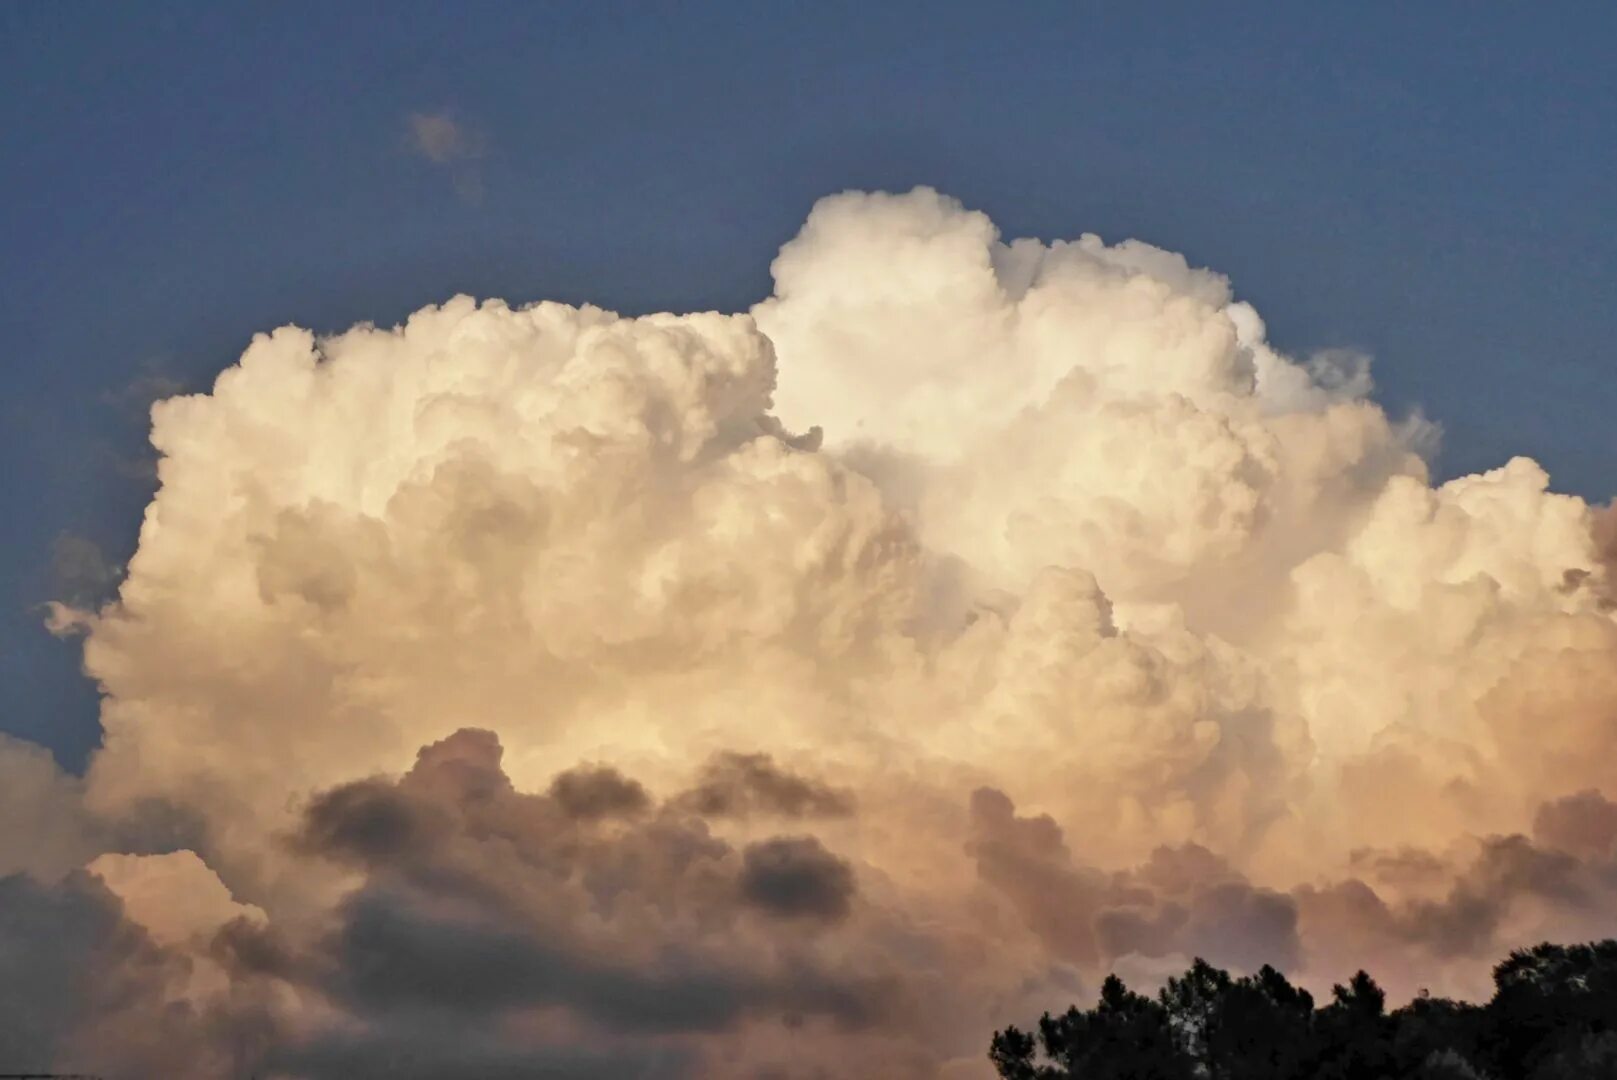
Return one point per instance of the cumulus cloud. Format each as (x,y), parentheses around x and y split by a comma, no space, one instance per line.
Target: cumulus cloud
(713,694)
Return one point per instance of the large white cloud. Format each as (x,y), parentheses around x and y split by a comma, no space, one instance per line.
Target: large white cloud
(1185,613)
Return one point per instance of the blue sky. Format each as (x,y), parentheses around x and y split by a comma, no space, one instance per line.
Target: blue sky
(1432,183)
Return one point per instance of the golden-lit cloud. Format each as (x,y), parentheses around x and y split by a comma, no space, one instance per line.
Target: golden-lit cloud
(828,682)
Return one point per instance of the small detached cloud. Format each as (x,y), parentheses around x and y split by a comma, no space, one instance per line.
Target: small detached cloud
(452,145)
(81,573)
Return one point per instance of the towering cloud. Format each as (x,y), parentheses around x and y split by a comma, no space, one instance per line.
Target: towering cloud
(810,688)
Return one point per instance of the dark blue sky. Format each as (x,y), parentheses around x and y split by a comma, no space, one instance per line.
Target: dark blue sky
(1434,183)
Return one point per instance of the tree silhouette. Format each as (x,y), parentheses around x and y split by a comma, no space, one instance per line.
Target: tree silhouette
(1354,1032)
(1553,1016)
(1258,1029)
(1551,1006)
(1125,1037)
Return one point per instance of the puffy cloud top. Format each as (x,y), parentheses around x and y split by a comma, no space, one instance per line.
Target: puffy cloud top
(537,687)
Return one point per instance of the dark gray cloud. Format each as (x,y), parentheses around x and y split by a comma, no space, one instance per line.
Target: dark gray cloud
(742,785)
(1187,900)
(393,956)
(1405,867)
(249,949)
(796,876)
(1184,900)
(598,791)
(370,821)
(48,939)
(587,929)
(1237,925)
(82,989)
(1443,908)
(1584,824)
(1026,860)
(1506,870)
(478,901)
(436,1049)
(465,766)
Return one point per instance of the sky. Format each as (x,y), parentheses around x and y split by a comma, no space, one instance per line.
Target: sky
(1429,184)
(1151,462)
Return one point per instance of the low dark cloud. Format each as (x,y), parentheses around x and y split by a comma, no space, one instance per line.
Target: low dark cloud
(393,956)
(1182,900)
(1187,901)
(795,876)
(1027,861)
(48,937)
(82,989)
(743,785)
(592,792)
(1472,902)
(589,929)
(1584,824)
(478,901)
(370,821)
(436,1049)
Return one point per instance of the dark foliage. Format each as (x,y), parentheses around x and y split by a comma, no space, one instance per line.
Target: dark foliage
(1553,1017)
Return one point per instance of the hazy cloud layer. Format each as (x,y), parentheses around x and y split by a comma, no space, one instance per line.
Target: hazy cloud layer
(726,695)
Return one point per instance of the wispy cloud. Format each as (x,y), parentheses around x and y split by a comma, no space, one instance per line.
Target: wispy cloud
(82,573)
(451,144)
